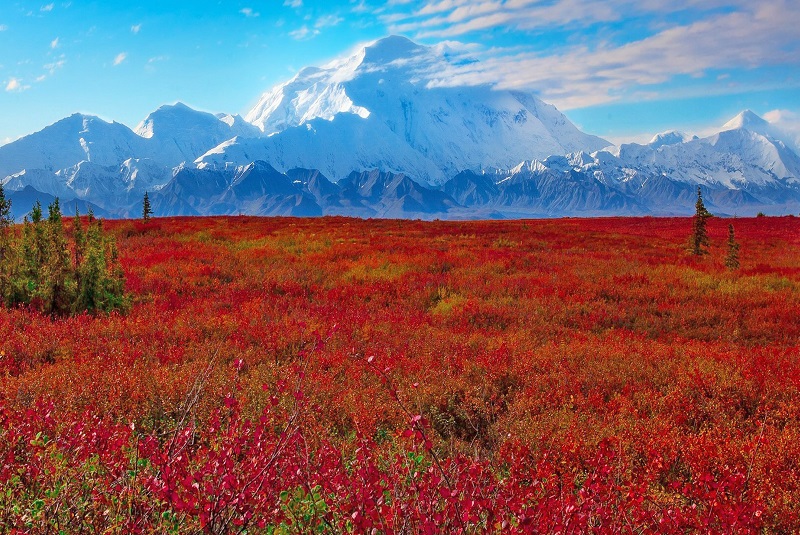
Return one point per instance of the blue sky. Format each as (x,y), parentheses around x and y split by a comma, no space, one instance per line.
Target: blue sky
(622,69)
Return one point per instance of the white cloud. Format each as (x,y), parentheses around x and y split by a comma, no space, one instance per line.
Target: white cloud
(136,28)
(51,68)
(152,64)
(249,13)
(448,18)
(589,73)
(3,27)
(15,85)
(777,117)
(54,43)
(328,20)
(121,57)
(303,33)
(47,8)
(788,122)
(293,3)
(361,7)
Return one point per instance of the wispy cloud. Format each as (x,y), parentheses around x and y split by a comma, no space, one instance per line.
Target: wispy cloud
(152,64)
(3,27)
(15,85)
(303,33)
(54,43)
(52,67)
(120,58)
(136,28)
(328,20)
(450,18)
(47,8)
(360,7)
(249,13)
(293,3)
(788,122)
(598,71)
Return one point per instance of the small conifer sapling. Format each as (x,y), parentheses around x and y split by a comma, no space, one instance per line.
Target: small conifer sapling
(698,242)
(147,210)
(732,258)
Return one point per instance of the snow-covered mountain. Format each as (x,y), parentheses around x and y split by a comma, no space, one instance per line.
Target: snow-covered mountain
(378,108)
(374,135)
(744,168)
(108,163)
(177,133)
(746,154)
(670,137)
(740,171)
(70,141)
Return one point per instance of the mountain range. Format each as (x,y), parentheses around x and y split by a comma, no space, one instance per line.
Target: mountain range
(375,134)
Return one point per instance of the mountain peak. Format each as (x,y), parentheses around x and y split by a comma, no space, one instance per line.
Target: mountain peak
(397,120)
(747,120)
(177,107)
(170,117)
(390,49)
(670,137)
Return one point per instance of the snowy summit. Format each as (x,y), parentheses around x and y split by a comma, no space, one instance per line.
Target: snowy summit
(382,107)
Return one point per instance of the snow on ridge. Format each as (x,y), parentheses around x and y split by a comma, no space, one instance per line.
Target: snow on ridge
(669,137)
(386,84)
(748,120)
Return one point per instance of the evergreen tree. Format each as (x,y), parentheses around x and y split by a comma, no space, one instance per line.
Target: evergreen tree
(147,210)
(698,242)
(91,271)
(732,258)
(22,272)
(58,278)
(6,252)
(6,220)
(40,270)
(39,237)
(80,237)
(114,284)
(29,277)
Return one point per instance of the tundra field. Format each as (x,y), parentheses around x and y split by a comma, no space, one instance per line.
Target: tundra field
(338,375)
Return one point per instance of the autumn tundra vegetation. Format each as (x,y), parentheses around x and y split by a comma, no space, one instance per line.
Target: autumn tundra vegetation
(334,375)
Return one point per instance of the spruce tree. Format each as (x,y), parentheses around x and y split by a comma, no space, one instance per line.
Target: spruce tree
(732,258)
(698,242)
(58,279)
(114,284)
(30,273)
(6,221)
(80,237)
(22,276)
(39,270)
(6,250)
(147,210)
(102,281)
